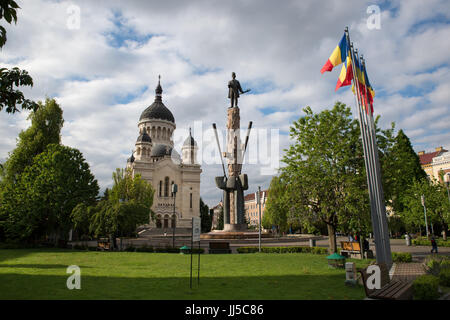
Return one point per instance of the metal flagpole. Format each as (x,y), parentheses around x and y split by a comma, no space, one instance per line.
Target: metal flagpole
(381,204)
(372,153)
(374,216)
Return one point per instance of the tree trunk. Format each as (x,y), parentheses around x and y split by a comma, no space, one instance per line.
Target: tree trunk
(332,238)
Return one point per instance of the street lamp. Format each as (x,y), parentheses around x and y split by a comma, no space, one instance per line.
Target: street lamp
(174,192)
(259,206)
(422,198)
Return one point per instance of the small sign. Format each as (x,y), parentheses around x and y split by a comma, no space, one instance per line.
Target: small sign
(196,229)
(422,198)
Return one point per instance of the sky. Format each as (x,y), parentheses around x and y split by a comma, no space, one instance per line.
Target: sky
(101,60)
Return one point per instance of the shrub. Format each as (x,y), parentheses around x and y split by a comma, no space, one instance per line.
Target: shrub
(314,250)
(426,287)
(145,248)
(401,257)
(426,242)
(444,277)
(436,263)
(130,249)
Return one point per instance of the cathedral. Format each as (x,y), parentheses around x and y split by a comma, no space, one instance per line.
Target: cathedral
(156,160)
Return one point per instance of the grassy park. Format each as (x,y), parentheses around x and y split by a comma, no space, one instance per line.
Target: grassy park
(41,274)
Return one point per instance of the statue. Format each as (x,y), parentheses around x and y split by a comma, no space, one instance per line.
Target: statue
(234,88)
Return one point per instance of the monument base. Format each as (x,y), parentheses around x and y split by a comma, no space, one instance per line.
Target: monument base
(228,227)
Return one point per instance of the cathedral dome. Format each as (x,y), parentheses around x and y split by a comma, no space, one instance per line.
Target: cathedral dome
(189,142)
(161,150)
(144,137)
(157,110)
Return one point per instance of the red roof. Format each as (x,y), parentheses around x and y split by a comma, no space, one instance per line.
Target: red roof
(251,196)
(427,158)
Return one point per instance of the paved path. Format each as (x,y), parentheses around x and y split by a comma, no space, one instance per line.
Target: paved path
(407,271)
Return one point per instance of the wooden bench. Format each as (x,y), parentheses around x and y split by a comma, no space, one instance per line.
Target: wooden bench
(219,247)
(103,244)
(351,249)
(389,289)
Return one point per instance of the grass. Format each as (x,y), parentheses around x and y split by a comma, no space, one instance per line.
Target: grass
(41,274)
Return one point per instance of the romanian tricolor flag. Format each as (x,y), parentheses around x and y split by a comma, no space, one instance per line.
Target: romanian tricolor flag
(346,76)
(365,89)
(338,56)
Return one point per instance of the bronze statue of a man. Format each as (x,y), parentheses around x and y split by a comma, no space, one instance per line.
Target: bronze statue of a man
(234,88)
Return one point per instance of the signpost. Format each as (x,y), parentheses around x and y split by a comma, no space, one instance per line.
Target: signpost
(195,237)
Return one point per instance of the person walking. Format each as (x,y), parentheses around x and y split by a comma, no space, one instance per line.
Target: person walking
(434,245)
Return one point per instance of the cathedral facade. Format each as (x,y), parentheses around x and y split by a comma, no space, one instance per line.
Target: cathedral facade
(156,160)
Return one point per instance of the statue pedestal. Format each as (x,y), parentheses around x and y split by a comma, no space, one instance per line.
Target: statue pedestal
(228,227)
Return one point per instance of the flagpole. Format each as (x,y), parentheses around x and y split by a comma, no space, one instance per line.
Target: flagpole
(374,216)
(383,216)
(372,152)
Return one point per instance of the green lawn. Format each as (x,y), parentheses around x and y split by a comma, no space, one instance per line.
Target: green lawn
(41,274)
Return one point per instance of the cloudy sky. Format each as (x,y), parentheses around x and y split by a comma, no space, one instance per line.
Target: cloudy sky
(101,61)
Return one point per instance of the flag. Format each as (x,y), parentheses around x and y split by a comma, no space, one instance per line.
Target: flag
(346,75)
(366,91)
(338,56)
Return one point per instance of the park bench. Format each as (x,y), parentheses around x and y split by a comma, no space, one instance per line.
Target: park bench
(219,247)
(351,249)
(103,244)
(389,289)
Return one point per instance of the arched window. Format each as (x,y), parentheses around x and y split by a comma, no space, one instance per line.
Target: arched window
(171,187)
(166,221)
(160,188)
(190,205)
(166,187)
(174,222)
(158,222)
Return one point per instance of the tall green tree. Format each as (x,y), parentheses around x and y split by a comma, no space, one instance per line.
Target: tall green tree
(401,169)
(10,80)
(277,208)
(325,171)
(40,202)
(127,206)
(205,218)
(45,129)
(436,202)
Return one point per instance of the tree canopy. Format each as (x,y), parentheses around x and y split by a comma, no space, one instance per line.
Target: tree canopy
(10,80)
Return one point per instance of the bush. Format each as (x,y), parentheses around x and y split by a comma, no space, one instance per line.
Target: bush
(401,257)
(426,287)
(314,250)
(130,249)
(426,242)
(444,277)
(436,263)
(145,249)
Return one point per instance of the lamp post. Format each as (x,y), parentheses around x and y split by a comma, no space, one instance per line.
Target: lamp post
(259,208)
(174,192)
(422,198)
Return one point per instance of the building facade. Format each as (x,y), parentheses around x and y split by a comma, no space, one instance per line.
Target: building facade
(156,160)
(252,208)
(431,166)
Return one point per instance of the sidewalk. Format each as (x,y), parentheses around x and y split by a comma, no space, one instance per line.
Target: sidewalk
(407,272)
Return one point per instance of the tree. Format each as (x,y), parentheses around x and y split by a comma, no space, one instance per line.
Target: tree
(9,79)
(128,188)
(205,218)
(127,206)
(220,221)
(45,129)
(277,208)
(402,167)
(40,202)
(325,172)
(436,202)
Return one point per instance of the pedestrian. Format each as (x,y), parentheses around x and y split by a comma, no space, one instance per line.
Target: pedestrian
(434,245)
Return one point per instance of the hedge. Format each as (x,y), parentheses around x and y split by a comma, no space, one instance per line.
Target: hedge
(426,287)
(314,250)
(401,257)
(424,242)
(444,277)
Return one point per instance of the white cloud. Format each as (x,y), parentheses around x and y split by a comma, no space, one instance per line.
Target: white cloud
(276,48)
